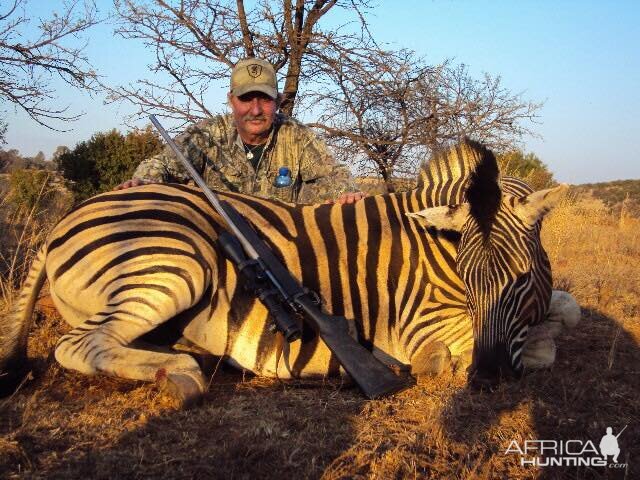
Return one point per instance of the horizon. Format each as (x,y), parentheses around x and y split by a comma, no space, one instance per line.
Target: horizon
(579,58)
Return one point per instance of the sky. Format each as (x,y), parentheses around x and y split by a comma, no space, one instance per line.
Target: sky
(581,58)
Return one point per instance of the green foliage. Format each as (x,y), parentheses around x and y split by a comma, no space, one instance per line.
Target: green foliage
(11,160)
(30,189)
(619,195)
(106,160)
(528,167)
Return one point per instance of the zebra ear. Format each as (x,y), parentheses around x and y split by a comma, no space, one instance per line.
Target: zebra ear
(451,217)
(536,205)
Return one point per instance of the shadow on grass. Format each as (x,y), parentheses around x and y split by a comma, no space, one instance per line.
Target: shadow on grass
(594,384)
(67,425)
(245,428)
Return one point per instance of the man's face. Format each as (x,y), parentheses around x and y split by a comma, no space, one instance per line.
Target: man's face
(253,113)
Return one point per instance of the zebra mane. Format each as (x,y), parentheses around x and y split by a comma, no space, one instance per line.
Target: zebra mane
(466,172)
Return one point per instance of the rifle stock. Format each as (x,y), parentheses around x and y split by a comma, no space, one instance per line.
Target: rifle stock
(372,376)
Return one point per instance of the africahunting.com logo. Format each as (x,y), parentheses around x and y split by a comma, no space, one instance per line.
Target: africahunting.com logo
(569,453)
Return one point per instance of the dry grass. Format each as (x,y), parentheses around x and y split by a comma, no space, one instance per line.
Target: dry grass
(65,425)
(24,230)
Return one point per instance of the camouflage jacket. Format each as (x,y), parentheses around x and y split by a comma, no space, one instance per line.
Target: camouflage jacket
(217,152)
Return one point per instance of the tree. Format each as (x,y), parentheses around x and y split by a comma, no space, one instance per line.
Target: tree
(528,167)
(106,160)
(59,151)
(27,65)
(40,157)
(197,42)
(366,112)
(3,132)
(457,105)
(9,159)
(389,113)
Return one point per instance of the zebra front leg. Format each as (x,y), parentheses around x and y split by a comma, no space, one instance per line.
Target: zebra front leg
(101,344)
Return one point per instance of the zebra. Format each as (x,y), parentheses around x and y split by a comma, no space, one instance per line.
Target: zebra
(449,270)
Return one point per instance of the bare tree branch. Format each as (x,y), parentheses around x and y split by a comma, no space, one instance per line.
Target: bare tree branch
(244,26)
(201,40)
(27,65)
(384,114)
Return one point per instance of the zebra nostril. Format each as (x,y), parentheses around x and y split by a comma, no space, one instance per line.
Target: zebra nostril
(482,382)
(483,379)
(488,377)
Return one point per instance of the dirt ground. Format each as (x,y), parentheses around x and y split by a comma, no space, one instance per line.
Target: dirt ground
(65,425)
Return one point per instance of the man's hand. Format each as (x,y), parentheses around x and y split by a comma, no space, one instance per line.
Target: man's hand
(349,197)
(134,182)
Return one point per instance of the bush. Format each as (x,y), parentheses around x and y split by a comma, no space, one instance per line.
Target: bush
(106,160)
(30,189)
(528,167)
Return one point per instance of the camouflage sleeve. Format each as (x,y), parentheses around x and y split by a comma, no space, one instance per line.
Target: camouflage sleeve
(165,167)
(322,178)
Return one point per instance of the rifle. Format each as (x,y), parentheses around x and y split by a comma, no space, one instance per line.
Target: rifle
(620,433)
(277,288)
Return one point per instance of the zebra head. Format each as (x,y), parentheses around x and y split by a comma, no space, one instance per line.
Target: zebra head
(500,259)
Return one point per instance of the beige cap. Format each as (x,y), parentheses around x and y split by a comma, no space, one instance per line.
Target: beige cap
(254,75)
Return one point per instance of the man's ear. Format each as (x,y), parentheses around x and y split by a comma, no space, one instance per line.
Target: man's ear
(451,217)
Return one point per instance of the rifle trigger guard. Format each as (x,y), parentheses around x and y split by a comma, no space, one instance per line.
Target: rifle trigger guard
(315,298)
(247,263)
(265,293)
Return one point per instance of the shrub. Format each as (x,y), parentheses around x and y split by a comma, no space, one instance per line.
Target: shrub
(30,189)
(528,167)
(106,160)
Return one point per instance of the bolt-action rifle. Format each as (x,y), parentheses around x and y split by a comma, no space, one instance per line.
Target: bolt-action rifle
(284,297)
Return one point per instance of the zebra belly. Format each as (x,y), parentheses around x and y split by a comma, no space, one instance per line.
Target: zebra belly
(244,339)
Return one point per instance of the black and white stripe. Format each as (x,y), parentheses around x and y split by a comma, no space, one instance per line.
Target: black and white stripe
(126,262)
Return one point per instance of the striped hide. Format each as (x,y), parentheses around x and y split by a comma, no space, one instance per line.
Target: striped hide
(452,266)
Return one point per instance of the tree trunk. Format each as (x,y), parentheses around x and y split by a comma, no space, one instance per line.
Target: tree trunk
(388,182)
(291,84)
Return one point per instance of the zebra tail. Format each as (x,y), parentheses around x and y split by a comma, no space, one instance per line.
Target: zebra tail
(14,327)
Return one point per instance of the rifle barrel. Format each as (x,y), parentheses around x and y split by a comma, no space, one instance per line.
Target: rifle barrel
(620,433)
(211,196)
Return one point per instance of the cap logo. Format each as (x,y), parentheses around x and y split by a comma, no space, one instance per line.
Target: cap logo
(254,70)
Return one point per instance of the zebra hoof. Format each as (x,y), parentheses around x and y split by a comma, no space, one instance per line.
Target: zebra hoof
(431,360)
(539,349)
(186,390)
(564,311)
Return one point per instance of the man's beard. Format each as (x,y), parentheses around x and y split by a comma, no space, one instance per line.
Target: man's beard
(262,118)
